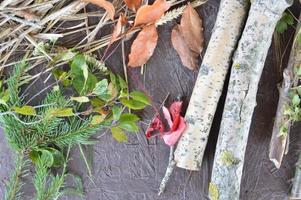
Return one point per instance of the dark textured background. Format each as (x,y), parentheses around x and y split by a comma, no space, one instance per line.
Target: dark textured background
(133,171)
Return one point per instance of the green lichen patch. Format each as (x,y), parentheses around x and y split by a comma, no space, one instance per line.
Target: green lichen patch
(228,159)
(213,191)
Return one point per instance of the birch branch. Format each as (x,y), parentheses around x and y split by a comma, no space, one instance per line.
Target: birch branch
(209,84)
(240,102)
(279,141)
(296,190)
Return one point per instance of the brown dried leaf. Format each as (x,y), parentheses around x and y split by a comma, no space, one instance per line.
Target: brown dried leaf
(143,46)
(108,6)
(118,27)
(133,4)
(192,30)
(149,14)
(187,56)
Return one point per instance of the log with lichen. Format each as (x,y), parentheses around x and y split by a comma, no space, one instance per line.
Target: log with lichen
(246,71)
(283,121)
(209,85)
(210,82)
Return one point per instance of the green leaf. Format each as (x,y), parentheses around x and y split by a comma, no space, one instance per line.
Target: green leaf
(119,135)
(96,102)
(213,192)
(121,83)
(34,156)
(58,157)
(133,104)
(81,88)
(296,100)
(286,20)
(25,110)
(48,156)
(62,112)
(97,119)
(140,96)
(116,112)
(128,117)
(79,66)
(82,99)
(101,87)
(129,126)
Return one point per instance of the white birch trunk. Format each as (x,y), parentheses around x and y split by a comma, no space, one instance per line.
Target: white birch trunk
(210,82)
(279,141)
(240,102)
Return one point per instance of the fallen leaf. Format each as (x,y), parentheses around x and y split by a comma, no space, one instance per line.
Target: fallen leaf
(133,4)
(143,46)
(149,14)
(187,56)
(192,30)
(108,6)
(118,27)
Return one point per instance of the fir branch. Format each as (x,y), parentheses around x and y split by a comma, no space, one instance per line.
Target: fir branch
(13,189)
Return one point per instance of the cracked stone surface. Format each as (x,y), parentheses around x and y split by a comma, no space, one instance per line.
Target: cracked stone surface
(133,171)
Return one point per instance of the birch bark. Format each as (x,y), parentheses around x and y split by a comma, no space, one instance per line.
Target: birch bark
(296,190)
(240,102)
(209,84)
(279,141)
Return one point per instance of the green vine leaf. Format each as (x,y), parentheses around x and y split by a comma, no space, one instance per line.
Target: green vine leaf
(296,100)
(128,117)
(140,96)
(62,112)
(283,24)
(129,126)
(116,112)
(82,99)
(133,104)
(119,135)
(101,87)
(97,119)
(25,110)
(79,66)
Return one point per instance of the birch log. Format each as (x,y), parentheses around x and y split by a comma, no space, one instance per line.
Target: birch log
(209,84)
(240,102)
(296,190)
(279,141)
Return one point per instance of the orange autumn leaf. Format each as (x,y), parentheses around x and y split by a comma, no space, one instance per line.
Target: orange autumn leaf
(143,46)
(133,4)
(149,14)
(192,30)
(188,57)
(118,27)
(108,6)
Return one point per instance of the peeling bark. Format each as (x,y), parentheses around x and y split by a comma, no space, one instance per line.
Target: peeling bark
(209,84)
(279,141)
(240,102)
